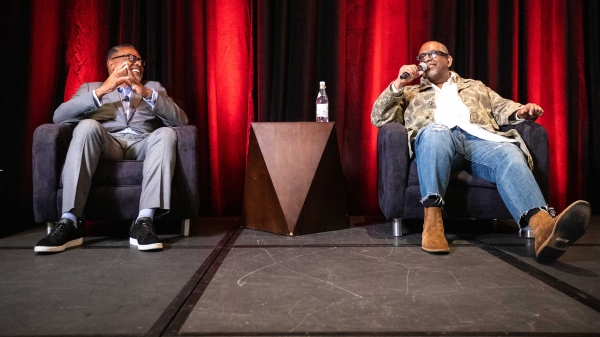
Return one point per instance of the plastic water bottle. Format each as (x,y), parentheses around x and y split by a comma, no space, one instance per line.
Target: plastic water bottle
(322,104)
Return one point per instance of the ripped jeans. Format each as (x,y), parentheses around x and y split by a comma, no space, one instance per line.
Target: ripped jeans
(440,151)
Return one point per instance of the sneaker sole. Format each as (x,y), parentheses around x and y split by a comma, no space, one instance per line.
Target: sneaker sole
(57,249)
(152,246)
(570,226)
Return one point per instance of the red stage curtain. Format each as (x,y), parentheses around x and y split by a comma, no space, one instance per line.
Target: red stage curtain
(42,91)
(553,77)
(230,62)
(229,79)
(87,43)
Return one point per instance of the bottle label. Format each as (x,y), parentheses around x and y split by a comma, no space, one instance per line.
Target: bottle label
(323,110)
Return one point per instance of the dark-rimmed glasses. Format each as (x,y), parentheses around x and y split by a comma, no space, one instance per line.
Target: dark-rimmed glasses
(432,54)
(132,59)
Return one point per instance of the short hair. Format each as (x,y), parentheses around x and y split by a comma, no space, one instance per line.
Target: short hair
(115,50)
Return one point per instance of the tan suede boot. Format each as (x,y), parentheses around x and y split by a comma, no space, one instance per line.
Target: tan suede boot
(433,232)
(554,235)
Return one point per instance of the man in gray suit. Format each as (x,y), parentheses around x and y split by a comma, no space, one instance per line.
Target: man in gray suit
(121,118)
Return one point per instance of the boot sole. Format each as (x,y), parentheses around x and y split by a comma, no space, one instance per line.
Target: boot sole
(570,226)
(436,251)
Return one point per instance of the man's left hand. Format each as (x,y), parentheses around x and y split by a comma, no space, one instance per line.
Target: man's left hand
(137,86)
(530,111)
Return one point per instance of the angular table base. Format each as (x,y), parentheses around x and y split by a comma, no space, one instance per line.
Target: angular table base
(294,181)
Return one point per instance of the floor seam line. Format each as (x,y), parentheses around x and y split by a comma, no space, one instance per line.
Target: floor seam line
(390,333)
(170,313)
(542,276)
(192,299)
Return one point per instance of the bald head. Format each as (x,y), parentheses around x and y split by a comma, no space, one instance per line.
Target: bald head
(433,45)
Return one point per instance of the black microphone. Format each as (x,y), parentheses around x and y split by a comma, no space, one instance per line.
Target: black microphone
(422,67)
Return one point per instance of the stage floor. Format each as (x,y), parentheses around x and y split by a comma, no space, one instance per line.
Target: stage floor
(227,281)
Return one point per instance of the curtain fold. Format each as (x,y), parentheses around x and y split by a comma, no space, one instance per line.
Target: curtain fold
(229,97)
(591,50)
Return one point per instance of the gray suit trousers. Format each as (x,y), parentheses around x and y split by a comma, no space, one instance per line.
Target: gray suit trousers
(92,143)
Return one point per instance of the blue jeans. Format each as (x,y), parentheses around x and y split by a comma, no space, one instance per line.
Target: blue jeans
(440,151)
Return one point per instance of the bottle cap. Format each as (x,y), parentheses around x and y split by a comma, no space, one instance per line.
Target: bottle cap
(322,84)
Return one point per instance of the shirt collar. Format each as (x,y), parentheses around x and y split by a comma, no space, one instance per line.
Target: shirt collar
(452,80)
(125,91)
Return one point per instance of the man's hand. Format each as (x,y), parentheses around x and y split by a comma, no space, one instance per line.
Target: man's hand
(530,111)
(412,70)
(118,77)
(136,86)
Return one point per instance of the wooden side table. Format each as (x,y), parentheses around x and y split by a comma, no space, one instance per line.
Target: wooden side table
(294,181)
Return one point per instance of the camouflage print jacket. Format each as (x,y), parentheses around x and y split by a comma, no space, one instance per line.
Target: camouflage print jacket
(414,106)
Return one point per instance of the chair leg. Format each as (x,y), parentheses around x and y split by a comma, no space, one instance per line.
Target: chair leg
(185,227)
(526,232)
(49,226)
(397,227)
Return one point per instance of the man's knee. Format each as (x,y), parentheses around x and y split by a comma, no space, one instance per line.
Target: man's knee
(165,135)
(86,127)
(511,156)
(436,128)
(435,132)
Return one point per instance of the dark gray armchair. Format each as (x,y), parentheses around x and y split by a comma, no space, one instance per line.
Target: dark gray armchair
(467,197)
(116,185)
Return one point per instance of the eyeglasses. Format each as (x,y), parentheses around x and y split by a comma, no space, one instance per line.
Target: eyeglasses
(132,59)
(432,54)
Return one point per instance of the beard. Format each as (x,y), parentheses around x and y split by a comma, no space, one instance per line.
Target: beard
(431,73)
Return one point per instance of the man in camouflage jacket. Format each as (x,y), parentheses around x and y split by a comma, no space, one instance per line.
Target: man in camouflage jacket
(453,123)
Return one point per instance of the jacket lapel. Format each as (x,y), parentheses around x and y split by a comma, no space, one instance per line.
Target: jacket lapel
(461,83)
(116,100)
(133,104)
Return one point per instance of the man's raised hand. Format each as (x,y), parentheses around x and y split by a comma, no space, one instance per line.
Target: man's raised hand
(530,111)
(413,72)
(135,84)
(118,77)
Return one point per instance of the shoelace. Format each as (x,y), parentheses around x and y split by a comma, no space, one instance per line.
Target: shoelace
(147,228)
(60,230)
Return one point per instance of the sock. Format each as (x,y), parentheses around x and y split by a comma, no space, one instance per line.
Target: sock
(146,213)
(530,214)
(433,201)
(71,217)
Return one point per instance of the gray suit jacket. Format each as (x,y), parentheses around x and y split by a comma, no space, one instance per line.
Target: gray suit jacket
(111,115)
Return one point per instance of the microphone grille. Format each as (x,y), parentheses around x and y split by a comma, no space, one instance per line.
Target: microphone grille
(422,66)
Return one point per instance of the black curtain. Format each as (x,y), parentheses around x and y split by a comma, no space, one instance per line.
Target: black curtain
(592,76)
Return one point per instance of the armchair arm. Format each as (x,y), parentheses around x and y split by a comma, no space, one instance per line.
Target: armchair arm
(186,171)
(50,145)
(536,139)
(392,168)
